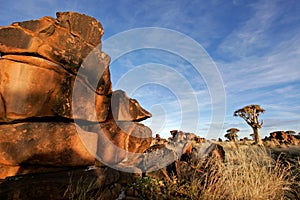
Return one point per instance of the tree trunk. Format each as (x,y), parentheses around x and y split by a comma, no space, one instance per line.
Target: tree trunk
(256,134)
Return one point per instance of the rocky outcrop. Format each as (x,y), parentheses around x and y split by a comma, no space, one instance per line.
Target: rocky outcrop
(57,107)
(33,87)
(179,156)
(46,143)
(121,141)
(66,40)
(40,62)
(281,137)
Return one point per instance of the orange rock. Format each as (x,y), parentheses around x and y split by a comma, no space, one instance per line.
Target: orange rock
(121,141)
(127,109)
(66,144)
(33,87)
(53,74)
(46,143)
(66,40)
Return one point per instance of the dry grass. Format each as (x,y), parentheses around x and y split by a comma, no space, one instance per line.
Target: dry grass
(82,189)
(248,173)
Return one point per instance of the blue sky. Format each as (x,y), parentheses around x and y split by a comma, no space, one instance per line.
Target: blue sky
(254,45)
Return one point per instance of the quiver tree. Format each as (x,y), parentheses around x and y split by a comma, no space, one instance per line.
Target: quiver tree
(231,134)
(250,114)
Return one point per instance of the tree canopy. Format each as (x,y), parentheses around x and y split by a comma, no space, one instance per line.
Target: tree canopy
(250,114)
(232,130)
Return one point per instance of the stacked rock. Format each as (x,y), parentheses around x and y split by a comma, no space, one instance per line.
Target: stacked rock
(57,107)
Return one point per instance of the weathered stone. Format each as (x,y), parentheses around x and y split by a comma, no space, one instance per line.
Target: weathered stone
(53,74)
(66,40)
(167,156)
(81,25)
(95,70)
(127,109)
(34,87)
(41,143)
(282,137)
(66,144)
(161,156)
(207,149)
(120,141)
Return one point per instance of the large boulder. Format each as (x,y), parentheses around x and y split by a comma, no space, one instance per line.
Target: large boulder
(66,40)
(35,87)
(57,107)
(121,141)
(46,143)
(41,60)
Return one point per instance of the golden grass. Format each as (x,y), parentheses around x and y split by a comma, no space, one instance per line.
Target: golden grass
(248,173)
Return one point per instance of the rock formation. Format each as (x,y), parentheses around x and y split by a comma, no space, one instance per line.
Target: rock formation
(179,155)
(58,114)
(281,138)
(39,65)
(57,107)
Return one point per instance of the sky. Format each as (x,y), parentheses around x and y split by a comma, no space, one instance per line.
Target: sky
(193,63)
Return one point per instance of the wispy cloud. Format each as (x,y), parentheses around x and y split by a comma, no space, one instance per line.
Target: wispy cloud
(251,37)
(262,59)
